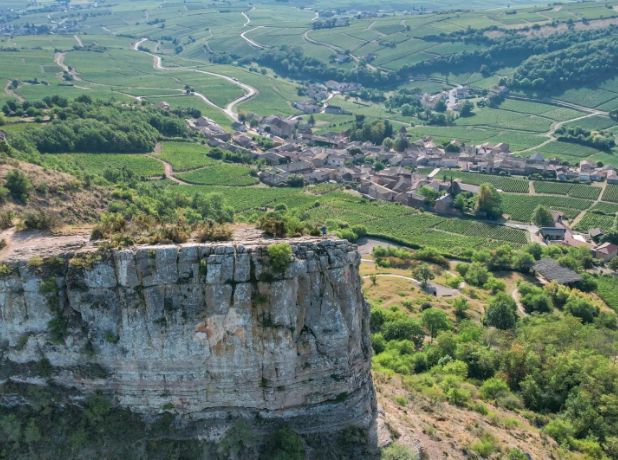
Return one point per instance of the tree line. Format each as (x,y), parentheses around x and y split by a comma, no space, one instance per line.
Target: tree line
(94,126)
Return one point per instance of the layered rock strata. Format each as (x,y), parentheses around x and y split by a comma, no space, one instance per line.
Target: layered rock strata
(204,331)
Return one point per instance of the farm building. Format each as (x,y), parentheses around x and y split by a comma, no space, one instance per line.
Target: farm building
(606,251)
(552,233)
(548,270)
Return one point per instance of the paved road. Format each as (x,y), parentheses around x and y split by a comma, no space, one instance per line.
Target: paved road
(332,47)
(228,110)
(252,42)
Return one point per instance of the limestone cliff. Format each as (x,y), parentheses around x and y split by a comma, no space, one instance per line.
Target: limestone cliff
(207,332)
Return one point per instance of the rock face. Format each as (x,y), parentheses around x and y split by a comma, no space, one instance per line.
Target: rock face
(208,332)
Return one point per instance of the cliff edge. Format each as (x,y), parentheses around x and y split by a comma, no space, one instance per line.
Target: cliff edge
(207,332)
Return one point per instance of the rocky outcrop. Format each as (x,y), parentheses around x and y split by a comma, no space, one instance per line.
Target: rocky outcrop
(208,332)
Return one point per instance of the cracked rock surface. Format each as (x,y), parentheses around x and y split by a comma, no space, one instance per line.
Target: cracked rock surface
(209,329)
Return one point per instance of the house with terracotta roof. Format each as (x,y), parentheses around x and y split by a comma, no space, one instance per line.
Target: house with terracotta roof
(606,251)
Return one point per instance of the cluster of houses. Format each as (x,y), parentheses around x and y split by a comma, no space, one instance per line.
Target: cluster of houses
(560,233)
(332,157)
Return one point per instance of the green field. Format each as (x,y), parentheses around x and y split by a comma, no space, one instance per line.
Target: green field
(184,156)
(593,220)
(506,184)
(587,192)
(605,208)
(220,174)
(608,290)
(611,193)
(98,163)
(520,207)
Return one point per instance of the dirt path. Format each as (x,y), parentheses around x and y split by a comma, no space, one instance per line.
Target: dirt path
(252,42)
(10,92)
(554,126)
(169,171)
(228,110)
(59,60)
(333,48)
(581,215)
(79,41)
(394,276)
(520,307)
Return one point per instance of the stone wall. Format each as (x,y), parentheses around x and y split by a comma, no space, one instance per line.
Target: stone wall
(204,331)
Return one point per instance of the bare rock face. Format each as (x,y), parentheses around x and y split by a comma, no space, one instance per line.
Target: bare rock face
(208,332)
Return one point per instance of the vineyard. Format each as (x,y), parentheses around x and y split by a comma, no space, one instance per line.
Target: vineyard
(573,190)
(521,207)
(506,184)
(417,230)
(605,208)
(608,290)
(592,220)
(611,193)
(241,198)
(220,174)
(478,229)
(97,163)
(184,156)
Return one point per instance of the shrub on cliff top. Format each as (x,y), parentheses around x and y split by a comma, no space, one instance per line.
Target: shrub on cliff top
(280,256)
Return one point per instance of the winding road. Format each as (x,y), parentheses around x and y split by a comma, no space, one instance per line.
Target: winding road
(10,92)
(169,171)
(252,42)
(550,134)
(228,110)
(333,48)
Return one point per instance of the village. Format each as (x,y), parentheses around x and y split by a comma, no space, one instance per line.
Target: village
(418,176)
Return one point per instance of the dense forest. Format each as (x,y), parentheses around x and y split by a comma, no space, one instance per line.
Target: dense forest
(88,126)
(573,66)
(510,48)
(293,61)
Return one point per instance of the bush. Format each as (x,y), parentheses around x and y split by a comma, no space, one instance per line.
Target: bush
(495,285)
(213,232)
(477,275)
(494,388)
(404,329)
(398,452)
(18,184)
(457,368)
(501,312)
(582,309)
(41,219)
(4,194)
(461,307)
(6,219)
(560,430)
(283,444)
(378,343)
(458,396)
(484,447)
(462,268)
(280,256)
